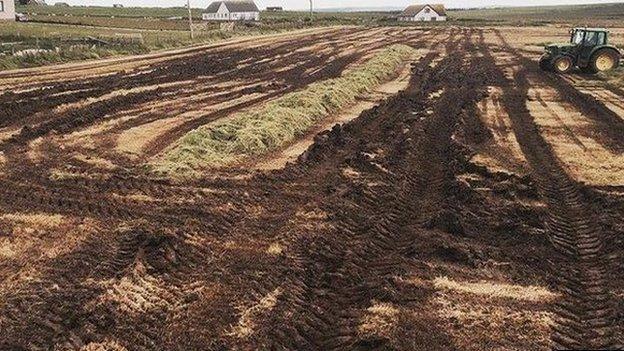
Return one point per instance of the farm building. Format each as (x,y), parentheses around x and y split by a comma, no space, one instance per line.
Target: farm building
(243,10)
(426,12)
(274,9)
(7,10)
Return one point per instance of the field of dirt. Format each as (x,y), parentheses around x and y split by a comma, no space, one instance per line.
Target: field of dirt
(479,208)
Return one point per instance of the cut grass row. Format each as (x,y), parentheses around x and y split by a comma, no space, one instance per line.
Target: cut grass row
(280,121)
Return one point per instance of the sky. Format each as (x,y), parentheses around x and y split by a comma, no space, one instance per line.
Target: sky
(303,4)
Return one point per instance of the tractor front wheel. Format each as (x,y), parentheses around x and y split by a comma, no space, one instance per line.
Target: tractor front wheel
(544,63)
(563,64)
(604,60)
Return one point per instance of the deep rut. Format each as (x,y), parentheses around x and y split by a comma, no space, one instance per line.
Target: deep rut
(586,315)
(342,272)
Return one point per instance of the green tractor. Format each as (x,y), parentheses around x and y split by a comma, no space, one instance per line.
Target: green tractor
(588,50)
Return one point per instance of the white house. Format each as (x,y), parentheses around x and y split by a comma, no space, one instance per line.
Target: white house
(7,10)
(426,12)
(241,10)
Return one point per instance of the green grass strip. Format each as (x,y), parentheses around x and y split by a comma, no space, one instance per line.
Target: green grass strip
(280,121)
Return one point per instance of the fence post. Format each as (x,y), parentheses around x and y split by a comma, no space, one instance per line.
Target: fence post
(188,4)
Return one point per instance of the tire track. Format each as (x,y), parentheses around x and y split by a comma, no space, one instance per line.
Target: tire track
(210,64)
(296,258)
(586,315)
(374,226)
(606,122)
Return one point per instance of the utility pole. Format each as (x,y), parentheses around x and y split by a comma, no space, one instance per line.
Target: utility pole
(188,4)
(311,12)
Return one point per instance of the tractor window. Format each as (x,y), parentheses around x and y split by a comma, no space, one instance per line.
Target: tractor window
(577,38)
(591,39)
(602,38)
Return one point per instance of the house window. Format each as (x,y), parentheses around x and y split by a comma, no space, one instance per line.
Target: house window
(427,10)
(1,6)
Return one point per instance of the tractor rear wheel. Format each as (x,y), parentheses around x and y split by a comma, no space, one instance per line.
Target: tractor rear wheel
(604,60)
(563,64)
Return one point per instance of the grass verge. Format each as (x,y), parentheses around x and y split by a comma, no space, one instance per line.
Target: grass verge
(252,133)
(61,55)
(30,44)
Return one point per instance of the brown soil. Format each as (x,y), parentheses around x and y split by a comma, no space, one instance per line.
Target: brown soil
(445,217)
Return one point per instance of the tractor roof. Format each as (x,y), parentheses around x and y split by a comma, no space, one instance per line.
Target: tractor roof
(592,29)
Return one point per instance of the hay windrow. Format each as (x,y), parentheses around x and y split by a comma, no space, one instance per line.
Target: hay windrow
(254,133)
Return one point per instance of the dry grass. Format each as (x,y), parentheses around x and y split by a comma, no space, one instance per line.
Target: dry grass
(595,165)
(42,235)
(60,175)
(275,249)
(34,220)
(247,321)
(380,320)
(98,162)
(616,77)
(315,214)
(136,197)
(576,143)
(537,36)
(256,132)
(493,315)
(496,290)
(502,152)
(476,324)
(136,293)
(31,240)
(103,346)
(349,172)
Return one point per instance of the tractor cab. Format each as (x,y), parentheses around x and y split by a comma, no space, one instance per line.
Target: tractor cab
(588,50)
(589,36)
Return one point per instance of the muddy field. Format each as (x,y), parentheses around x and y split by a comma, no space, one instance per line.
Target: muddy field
(479,208)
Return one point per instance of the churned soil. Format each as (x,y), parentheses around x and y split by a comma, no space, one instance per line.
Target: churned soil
(447,216)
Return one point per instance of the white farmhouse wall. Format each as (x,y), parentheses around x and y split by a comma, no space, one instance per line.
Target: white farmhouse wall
(223,14)
(7,10)
(246,16)
(426,14)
